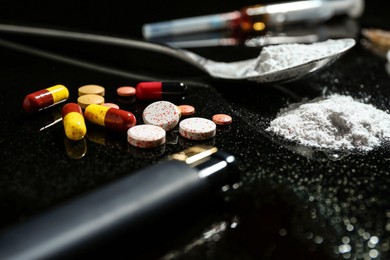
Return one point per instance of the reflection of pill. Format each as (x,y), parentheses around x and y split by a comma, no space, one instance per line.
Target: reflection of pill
(125,91)
(75,149)
(86,100)
(73,121)
(163,114)
(222,119)
(111,118)
(91,89)
(186,110)
(160,90)
(111,105)
(146,136)
(197,128)
(45,98)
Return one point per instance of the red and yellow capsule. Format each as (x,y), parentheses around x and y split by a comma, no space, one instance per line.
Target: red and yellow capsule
(73,120)
(45,98)
(109,117)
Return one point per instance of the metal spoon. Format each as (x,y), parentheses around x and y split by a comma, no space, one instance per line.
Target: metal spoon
(217,70)
(229,70)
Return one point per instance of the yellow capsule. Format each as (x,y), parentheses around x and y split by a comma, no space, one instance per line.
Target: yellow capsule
(74,123)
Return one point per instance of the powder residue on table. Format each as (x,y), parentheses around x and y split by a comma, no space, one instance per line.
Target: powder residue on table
(336,122)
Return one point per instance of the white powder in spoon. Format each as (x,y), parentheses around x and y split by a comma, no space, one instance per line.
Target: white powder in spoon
(278,57)
(274,58)
(334,122)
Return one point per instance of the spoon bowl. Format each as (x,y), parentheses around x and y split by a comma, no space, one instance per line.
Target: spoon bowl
(236,70)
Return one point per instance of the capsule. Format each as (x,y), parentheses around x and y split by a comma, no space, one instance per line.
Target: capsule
(45,98)
(111,118)
(156,90)
(73,121)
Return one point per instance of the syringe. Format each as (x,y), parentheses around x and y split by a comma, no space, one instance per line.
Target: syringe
(257,17)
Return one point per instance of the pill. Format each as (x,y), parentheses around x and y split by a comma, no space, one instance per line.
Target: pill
(125,91)
(91,89)
(111,105)
(197,128)
(111,118)
(86,100)
(163,114)
(156,90)
(45,98)
(186,110)
(222,119)
(146,136)
(73,120)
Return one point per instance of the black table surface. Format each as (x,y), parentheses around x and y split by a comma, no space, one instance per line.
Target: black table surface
(291,201)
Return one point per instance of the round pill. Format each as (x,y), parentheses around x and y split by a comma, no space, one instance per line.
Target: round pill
(111,105)
(125,91)
(163,114)
(186,110)
(222,119)
(146,136)
(86,100)
(197,128)
(91,89)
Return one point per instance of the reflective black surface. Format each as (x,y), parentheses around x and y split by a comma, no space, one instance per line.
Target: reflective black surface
(292,201)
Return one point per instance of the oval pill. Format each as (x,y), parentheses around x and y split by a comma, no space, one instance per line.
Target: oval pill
(126,91)
(186,110)
(86,100)
(222,119)
(111,118)
(156,90)
(91,89)
(73,120)
(45,98)
(146,136)
(111,105)
(197,128)
(163,114)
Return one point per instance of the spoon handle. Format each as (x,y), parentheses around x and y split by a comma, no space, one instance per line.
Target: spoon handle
(102,39)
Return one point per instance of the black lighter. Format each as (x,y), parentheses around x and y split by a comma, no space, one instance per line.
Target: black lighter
(122,204)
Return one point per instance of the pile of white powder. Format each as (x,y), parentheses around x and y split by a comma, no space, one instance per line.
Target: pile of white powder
(334,122)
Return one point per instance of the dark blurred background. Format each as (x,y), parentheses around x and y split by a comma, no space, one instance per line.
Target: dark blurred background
(126,17)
